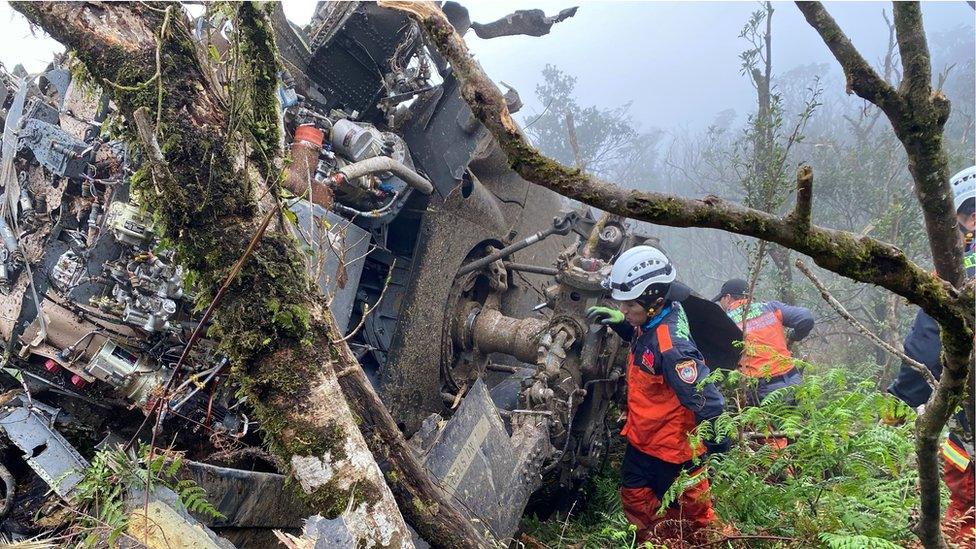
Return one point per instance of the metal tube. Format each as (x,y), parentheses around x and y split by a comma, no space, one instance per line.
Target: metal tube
(535,269)
(378,164)
(493,332)
(8,237)
(506,251)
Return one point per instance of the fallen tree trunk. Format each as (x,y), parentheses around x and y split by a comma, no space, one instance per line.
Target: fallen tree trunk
(215,172)
(917,114)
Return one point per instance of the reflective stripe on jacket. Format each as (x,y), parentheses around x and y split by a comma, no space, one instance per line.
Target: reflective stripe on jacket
(766,352)
(663,403)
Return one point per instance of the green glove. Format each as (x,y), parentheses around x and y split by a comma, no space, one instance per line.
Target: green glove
(604,315)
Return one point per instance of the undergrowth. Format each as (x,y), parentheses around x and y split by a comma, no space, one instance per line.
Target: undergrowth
(100,498)
(846,480)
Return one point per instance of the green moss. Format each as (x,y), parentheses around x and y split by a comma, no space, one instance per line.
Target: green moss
(257,47)
(425,509)
(331,501)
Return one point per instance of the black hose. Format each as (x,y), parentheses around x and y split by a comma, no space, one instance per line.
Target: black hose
(11,486)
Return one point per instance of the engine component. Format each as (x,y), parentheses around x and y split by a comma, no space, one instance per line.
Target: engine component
(490,331)
(380,164)
(8,236)
(67,271)
(129,224)
(353,140)
(300,178)
(147,287)
(54,148)
(134,376)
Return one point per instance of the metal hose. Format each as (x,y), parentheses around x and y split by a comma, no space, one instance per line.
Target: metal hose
(378,164)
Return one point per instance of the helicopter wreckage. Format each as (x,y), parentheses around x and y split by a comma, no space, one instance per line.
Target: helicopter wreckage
(462,288)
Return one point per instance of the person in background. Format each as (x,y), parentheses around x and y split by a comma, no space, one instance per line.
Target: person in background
(923,345)
(769,328)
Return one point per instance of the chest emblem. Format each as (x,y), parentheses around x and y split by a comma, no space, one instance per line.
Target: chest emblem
(647,360)
(687,371)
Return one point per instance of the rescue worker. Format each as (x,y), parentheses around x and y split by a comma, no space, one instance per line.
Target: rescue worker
(664,403)
(923,345)
(766,356)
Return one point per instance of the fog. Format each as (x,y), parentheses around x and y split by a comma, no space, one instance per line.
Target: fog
(677,62)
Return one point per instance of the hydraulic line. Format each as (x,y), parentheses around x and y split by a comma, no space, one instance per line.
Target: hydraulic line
(380,164)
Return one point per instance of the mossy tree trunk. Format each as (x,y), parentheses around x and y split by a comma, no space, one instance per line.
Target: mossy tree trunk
(917,114)
(221,160)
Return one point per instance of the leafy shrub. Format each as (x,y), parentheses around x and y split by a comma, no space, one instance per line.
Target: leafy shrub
(847,479)
(99,499)
(845,475)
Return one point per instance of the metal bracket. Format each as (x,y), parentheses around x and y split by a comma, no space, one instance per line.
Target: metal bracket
(46,451)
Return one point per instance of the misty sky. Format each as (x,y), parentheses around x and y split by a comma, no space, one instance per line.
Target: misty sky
(676,61)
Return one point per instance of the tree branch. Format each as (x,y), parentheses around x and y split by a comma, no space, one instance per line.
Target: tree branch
(914,51)
(861,77)
(804,198)
(917,117)
(919,368)
(859,258)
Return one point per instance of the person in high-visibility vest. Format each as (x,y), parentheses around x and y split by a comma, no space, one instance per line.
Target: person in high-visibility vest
(769,327)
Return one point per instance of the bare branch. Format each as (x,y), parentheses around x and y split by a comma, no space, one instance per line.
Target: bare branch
(916,82)
(573,142)
(861,77)
(915,365)
(147,135)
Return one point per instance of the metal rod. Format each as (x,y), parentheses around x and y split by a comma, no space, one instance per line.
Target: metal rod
(504,252)
(501,368)
(535,269)
(560,225)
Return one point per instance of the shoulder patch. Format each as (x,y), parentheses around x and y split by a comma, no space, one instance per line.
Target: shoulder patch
(687,371)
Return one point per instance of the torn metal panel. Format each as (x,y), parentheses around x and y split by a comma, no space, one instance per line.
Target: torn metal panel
(161,521)
(247,499)
(475,461)
(46,451)
(527,22)
(339,253)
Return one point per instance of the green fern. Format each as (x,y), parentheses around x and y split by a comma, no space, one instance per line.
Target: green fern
(846,480)
(100,496)
(840,541)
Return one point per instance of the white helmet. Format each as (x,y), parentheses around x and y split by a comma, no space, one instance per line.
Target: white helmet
(963,186)
(636,270)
